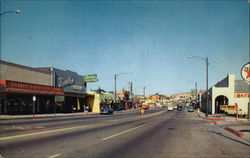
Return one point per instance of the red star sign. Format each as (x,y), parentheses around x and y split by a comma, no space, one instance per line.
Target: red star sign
(248,73)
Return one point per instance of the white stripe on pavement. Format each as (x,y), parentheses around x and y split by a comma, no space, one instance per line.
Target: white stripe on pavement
(56,155)
(129,130)
(44,132)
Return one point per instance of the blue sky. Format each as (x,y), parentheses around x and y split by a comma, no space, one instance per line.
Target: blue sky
(151,39)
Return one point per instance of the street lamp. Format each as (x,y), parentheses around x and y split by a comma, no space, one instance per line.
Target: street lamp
(11,11)
(116,75)
(144,92)
(206,61)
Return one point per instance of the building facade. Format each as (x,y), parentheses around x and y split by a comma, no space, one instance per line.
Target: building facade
(75,94)
(227,92)
(20,84)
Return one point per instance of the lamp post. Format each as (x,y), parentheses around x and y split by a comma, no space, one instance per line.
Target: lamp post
(144,92)
(116,75)
(206,61)
(11,11)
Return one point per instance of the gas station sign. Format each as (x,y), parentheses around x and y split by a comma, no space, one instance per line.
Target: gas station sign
(245,72)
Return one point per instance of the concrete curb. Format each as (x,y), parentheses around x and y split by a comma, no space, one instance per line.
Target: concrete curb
(38,116)
(214,119)
(235,132)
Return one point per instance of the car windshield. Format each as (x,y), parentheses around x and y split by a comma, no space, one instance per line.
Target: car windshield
(124,78)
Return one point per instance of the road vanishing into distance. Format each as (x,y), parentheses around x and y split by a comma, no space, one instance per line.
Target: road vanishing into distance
(158,133)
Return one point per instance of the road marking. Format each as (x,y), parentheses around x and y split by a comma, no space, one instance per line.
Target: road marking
(129,130)
(43,132)
(113,120)
(56,155)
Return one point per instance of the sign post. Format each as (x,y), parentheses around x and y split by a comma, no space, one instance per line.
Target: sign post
(236,107)
(34,105)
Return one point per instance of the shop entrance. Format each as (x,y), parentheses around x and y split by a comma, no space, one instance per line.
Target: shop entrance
(220,100)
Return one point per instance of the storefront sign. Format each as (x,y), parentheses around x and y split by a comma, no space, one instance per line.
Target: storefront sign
(227,107)
(70,81)
(90,78)
(79,88)
(64,82)
(59,98)
(242,95)
(155,97)
(245,72)
(121,95)
(32,87)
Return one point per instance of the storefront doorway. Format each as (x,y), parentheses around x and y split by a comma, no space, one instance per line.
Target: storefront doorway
(220,100)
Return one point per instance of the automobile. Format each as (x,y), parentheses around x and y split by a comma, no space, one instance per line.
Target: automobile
(179,108)
(190,109)
(174,107)
(106,110)
(158,106)
(170,108)
(145,107)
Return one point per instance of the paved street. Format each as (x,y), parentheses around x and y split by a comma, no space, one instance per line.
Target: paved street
(158,133)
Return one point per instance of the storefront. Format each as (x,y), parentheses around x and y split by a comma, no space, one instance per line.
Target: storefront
(17,98)
(228,91)
(75,96)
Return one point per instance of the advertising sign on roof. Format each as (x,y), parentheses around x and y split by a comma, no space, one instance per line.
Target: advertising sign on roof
(245,72)
(90,78)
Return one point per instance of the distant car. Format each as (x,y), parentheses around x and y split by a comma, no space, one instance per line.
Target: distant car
(158,106)
(107,110)
(170,108)
(190,109)
(179,108)
(145,107)
(175,107)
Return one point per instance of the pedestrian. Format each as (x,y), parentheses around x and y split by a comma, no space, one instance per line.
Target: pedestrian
(142,111)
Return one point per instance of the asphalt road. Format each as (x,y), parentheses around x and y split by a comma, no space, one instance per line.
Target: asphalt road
(157,134)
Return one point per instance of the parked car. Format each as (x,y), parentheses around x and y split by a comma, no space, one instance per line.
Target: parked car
(107,110)
(179,108)
(175,107)
(190,109)
(170,108)
(145,107)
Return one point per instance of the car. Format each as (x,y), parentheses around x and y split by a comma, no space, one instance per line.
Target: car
(145,107)
(190,109)
(175,107)
(179,108)
(106,110)
(170,108)
(158,106)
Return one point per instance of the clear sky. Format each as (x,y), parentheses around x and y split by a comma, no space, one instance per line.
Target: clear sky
(149,38)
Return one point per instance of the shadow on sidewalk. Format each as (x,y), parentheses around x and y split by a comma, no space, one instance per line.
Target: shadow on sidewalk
(220,134)
(244,130)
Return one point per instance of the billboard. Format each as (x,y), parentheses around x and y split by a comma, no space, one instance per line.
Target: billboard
(90,78)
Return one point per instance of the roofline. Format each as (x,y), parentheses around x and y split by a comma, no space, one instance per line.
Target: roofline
(23,67)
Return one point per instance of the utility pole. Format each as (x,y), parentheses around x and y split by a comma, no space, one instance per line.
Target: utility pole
(196,93)
(144,93)
(206,62)
(131,89)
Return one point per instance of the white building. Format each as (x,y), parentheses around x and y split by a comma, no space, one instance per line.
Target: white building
(228,92)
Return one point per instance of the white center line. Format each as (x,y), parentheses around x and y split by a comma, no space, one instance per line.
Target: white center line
(56,155)
(43,132)
(129,130)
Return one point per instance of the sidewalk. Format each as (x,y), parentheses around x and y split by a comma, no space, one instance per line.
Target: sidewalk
(240,127)
(6,117)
